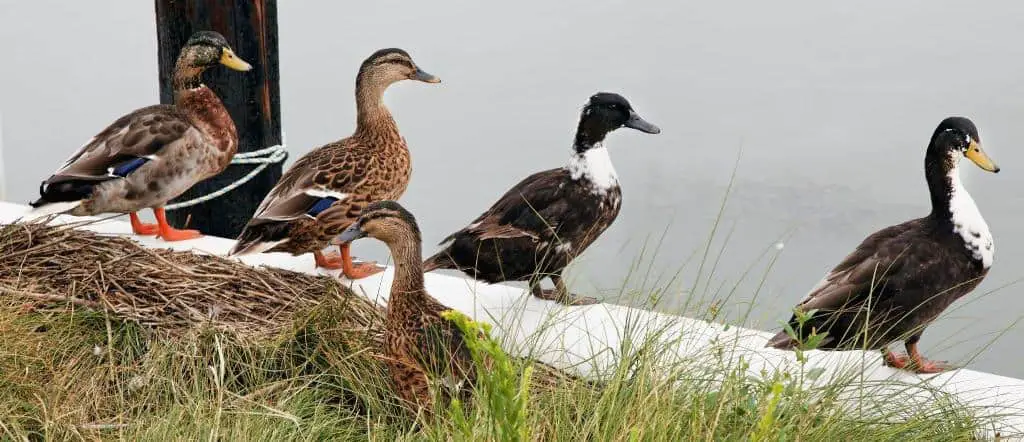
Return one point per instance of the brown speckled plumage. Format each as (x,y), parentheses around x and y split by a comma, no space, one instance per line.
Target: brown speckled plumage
(371,165)
(156,153)
(423,349)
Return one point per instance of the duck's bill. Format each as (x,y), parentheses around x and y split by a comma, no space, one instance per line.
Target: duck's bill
(635,122)
(350,234)
(977,155)
(423,76)
(229,59)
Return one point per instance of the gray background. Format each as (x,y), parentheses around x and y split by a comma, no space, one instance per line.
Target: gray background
(827,106)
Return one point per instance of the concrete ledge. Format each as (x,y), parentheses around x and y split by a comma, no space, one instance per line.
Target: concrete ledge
(588,340)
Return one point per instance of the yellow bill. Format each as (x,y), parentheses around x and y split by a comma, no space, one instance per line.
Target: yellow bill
(229,59)
(979,157)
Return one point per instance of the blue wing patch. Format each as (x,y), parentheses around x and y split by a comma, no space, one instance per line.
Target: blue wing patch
(124,169)
(321,205)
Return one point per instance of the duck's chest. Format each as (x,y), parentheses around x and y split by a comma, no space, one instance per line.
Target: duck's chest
(207,112)
(394,171)
(970,226)
(586,215)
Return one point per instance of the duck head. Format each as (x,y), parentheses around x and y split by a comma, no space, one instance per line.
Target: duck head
(205,49)
(606,112)
(956,138)
(388,66)
(386,221)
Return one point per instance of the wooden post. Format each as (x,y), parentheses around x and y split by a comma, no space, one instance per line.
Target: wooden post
(252,98)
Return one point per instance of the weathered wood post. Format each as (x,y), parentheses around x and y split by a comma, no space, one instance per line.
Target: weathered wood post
(252,98)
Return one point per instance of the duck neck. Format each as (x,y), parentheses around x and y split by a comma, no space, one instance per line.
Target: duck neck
(587,139)
(372,116)
(186,76)
(943,179)
(204,109)
(590,162)
(954,210)
(408,258)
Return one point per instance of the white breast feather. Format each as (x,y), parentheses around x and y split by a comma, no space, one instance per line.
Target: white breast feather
(594,165)
(968,223)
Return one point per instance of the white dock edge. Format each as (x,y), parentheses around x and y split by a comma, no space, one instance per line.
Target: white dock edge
(586,339)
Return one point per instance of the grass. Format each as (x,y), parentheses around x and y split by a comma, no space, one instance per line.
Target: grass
(73,375)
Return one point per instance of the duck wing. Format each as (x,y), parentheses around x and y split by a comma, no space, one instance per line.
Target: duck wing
(113,153)
(532,208)
(883,265)
(879,258)
(444,353)
(317,185)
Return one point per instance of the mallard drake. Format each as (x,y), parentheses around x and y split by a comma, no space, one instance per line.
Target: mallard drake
(325,190)
(549,218)
(152,155)
(899,279)
(422,347)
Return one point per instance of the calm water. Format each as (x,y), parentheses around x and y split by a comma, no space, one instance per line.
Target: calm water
(827,107)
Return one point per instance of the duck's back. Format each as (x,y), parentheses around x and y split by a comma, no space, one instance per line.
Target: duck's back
(343,177)
(539,225)
(422,347)
(897,281)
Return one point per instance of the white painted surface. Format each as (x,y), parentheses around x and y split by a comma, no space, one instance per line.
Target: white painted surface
(586,339)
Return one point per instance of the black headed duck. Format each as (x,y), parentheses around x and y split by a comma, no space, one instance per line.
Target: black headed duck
(899,279)
(538,227)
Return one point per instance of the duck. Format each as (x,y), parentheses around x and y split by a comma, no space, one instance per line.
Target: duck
(542,223)
(153,154)
(325,190)
(423,349)
(899,279)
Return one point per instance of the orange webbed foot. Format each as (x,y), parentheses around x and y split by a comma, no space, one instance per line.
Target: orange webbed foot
(141,228)
(172,234)
(894,360)
(356,271)
(329,262)
(917,365)
(361,270)
(168,233)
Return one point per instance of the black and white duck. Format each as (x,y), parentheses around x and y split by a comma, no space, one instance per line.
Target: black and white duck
(538,227)
(899,279)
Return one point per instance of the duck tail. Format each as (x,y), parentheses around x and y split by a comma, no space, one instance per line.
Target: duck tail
(60,197)
(781,341)
(440,260)
(259,238)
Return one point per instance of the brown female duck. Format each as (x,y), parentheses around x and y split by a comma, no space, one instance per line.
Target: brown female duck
(899,279)
(422,347)
(152,155)
(325,190)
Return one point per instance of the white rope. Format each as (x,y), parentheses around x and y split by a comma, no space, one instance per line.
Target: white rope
(263,157)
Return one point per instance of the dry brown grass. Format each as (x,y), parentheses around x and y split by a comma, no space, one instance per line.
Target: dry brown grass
(52,267)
